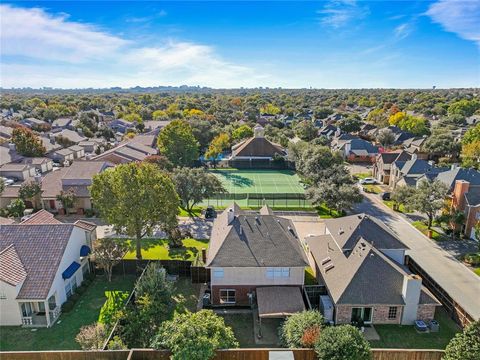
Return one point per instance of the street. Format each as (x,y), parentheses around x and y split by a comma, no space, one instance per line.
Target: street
(457,280)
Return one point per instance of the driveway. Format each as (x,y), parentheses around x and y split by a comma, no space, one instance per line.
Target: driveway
(454,277)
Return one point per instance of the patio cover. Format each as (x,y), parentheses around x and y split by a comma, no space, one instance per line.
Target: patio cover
(279,301)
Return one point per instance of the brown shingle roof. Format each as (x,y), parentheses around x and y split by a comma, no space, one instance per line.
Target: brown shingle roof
(11,267)
(83,169)
(40,249)
(257,147)
(41,217)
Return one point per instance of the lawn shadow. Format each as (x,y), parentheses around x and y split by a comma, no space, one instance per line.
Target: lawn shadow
(237,180)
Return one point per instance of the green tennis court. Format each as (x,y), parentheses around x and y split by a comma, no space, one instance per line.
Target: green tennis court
(278,188)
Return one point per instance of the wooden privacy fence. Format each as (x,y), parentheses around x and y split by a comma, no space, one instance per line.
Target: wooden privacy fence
(231,354)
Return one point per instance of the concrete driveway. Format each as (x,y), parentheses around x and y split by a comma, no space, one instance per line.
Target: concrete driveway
(460,283)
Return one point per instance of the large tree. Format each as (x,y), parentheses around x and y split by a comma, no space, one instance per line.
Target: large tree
(177,143)
(195,336)
(386,137)
(195,184)
(305,130)
(30,191)
(216,147)
(465,345)
(340,197)
(242,132)
(27,143)
(343,342)
(428,198)
(441,142)
(313,160)
(296,330)
(136,198)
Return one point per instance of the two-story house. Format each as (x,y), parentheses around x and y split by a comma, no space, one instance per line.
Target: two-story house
(41,265)
(256,257)
(361,263)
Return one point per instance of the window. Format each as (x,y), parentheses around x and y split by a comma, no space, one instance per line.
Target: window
(52,302)
(74,284)
(218,273)
(26,309)
(227,296)
(277,273)
(392,313)
(3,296)
(68,290)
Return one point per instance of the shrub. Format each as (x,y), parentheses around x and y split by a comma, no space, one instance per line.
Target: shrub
(81,289)
(343,342)
(92,337)
(465,345)
(109,311)
(116,344)
(294,330)
(74,298)
(472,259)
(194,336)
(67,306)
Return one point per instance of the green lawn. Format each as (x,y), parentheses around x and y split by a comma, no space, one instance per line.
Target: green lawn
(61,335)
(390,203)
(363,175)
(157,249)
(477,271)
(398,336)
(369,188)
(325,213)
(186,295)
(420,225)
(242,326)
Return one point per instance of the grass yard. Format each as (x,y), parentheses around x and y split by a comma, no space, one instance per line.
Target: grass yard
(242,326)
(375,189)
(61,336)
(420,225)
(157,249)
(390,203)
(397,336)
(186,295)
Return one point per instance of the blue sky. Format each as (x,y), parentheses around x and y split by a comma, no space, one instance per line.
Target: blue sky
(329,44)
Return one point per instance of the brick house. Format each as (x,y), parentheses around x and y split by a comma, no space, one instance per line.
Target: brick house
(383,164)
(252,251)
(466,198)
(361,264)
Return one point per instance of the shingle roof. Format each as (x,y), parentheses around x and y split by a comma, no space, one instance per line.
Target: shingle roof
(71,135)
(254,241)
(6,221)
(52,183)
(40,249)
(348,230)
(449,177)
(85,169)
(257,147)
(473,196)
(11,267)
(41,217)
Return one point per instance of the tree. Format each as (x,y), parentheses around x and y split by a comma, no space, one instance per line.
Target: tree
(136,198)
(161,161)
(195,336)
(177,143)
(133,117)
(218,144)
(305,130)
(401,196)
(343,342)
(92,337)
(386,137)
(194,185)
(108,253)
(428,198)
(350,124)
(441,142)
(27,143)
(270,109)
(471,135)
(378,117)
(471,154)
(295,328)
(464,107)
(31,191)
(465,345)
(67,198)
(16,208)
(242,132)
(338,197)
(314,160)
(410,123)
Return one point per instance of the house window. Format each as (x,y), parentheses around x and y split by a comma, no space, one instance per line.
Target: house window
(68,290)
(3,296)
(269,273)
(392,313)
(218,273)
(26,309)
(285,272)
(74,284)
(227,296)
(277,273)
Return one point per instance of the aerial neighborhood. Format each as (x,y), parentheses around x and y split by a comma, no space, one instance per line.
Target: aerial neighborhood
(262,221)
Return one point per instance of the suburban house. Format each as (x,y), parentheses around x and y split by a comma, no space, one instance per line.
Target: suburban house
(121,126)
(329,131)
(354,149)
(78,177)
(41,164)
(256,257)
(50,143)
(361,263)
(466,198)
(32,122)
(407,172)
(449,177)
(8,154)
(257,148)
(92,145)
(400,135)
(63,156)
(78,151)
(5,133)
(41,266)
(136,149)
(71,136)
(415,146)
(383,164)
(18,172)
(62,123)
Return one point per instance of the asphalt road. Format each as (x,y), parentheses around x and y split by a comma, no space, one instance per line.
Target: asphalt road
(454,277)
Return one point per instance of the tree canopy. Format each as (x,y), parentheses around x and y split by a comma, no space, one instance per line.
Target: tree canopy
(27,143)
(177,143)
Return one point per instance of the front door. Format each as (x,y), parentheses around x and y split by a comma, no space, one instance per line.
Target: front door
(52,204)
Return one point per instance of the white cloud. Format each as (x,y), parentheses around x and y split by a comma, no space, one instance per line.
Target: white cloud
(459,17)
(51,50)
(338,13)
(403,30)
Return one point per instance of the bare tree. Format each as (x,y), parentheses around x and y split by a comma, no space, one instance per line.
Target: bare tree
(109,252)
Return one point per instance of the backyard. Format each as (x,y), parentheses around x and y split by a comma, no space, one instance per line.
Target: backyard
(62,334)
(158,249)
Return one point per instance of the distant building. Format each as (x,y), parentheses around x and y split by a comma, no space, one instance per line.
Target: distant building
(257,147)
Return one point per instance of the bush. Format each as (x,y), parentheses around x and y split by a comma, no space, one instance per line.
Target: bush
(465,345)
(114,303)
(194,336)
(74,298)
(81,289)
(343,342)
(67,306)
(472,259)
(92,337)
(90,212)
(298,329)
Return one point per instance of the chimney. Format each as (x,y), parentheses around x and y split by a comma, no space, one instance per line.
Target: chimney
(411,289)
(454,166)
(258,131)
(230,215)
(459,191)
(414,157)
(204,255)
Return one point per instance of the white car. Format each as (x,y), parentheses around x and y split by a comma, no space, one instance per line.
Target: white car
(368,181)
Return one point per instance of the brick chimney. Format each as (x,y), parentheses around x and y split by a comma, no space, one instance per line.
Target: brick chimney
(459,191)
(411,289)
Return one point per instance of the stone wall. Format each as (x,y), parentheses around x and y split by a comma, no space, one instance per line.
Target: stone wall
(426,312)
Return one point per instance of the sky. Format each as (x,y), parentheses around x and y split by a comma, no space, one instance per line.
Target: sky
(319,44)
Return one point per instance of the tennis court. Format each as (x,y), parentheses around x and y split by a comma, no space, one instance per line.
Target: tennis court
(253,188)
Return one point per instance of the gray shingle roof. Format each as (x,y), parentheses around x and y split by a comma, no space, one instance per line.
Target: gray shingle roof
(254,241)
(473,196)
(449,177)
(40,249)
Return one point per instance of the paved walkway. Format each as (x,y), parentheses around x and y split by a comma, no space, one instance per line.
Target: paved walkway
(457,280)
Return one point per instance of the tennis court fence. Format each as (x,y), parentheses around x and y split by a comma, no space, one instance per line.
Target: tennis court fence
(260,199)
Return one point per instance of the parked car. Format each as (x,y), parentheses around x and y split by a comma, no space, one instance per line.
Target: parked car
(385,196)
(368,181)
(7,181)
(210,212)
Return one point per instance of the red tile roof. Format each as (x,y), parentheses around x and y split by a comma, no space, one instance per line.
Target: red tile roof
(41,217)
(11,268)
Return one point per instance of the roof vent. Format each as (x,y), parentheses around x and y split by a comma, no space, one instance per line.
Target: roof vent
(340,231)
(329,267)
(326,260)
